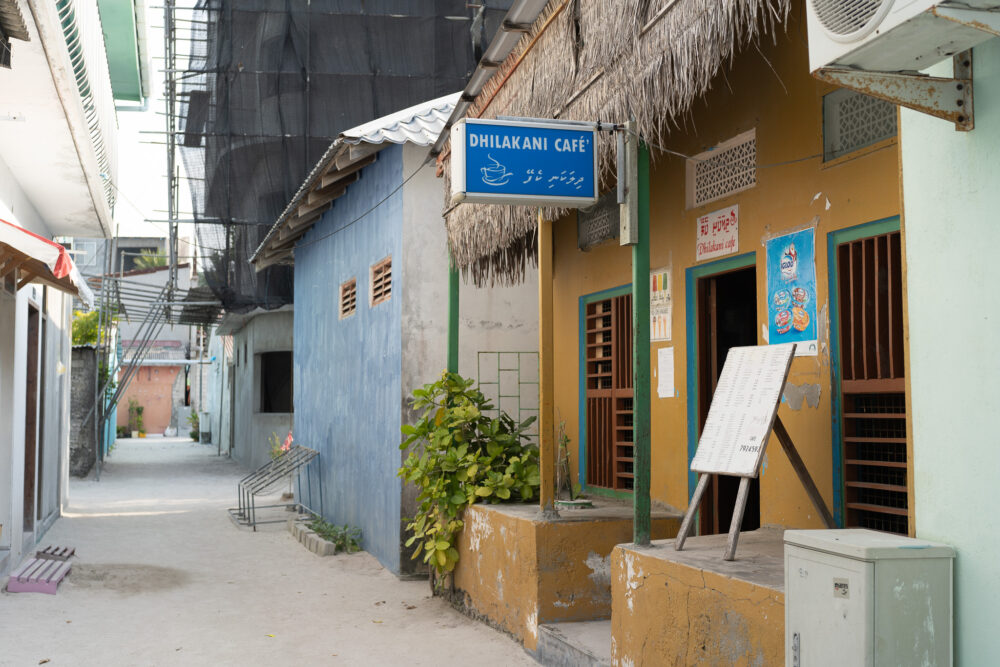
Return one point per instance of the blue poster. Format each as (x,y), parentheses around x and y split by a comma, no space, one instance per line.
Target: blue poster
(523,162)
(791,291)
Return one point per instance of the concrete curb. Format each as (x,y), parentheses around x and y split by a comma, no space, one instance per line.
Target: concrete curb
(308,537)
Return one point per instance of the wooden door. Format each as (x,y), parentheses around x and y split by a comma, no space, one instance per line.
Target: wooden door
(31,419)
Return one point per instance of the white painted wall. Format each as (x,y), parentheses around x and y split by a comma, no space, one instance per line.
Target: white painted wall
(952,235)
(265,332)
(490,319)
(17,207)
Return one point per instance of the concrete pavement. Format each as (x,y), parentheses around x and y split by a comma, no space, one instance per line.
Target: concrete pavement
(163,577)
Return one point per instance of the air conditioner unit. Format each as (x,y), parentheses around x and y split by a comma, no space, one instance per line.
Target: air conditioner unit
(895,35)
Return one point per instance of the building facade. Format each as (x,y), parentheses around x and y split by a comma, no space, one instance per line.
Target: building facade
(371,319)
(949,198)
(60,128)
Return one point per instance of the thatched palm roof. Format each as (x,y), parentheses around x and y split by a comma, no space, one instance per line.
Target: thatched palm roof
(607,60)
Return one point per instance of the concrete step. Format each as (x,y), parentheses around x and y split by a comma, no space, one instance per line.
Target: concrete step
(576,644)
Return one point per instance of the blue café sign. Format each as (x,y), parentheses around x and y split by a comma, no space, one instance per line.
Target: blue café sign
(523,162)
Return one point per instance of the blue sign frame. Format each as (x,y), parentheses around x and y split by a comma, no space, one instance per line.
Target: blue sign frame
(536,163)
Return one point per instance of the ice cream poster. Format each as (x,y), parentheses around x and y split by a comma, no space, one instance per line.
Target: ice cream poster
(791,291)
(660,307)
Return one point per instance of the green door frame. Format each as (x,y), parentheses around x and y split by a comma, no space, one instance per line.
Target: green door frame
(584,301)
(691,277)
(834,239)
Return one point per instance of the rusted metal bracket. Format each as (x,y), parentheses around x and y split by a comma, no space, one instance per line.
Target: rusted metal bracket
(980,19)
(950,99)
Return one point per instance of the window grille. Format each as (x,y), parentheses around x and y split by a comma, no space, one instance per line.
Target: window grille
(509,380)
(874,404)
(609,393)
(381,281)
(728,168)
(852,121)
(348,298)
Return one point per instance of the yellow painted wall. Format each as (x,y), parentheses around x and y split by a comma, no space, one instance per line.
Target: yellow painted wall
(785,108)
(668,613)
(517,570)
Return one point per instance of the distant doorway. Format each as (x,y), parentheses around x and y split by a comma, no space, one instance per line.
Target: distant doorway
(31,419)
(727,318)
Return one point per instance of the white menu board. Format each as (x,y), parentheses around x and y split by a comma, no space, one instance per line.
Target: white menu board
(742,411)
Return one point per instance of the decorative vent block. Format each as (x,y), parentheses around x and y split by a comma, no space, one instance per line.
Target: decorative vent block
(852,121)
(381,281)
(728,168)
(348,298)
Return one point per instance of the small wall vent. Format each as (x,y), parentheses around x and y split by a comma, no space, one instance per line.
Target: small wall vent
(852,121)
(728,168)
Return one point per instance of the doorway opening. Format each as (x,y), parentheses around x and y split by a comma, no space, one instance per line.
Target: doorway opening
(31,419)
(727,318)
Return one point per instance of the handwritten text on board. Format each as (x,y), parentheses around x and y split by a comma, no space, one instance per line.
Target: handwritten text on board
(742,411)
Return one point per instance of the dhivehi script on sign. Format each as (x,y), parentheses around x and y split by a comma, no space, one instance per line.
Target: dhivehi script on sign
(718,233)
(742,411)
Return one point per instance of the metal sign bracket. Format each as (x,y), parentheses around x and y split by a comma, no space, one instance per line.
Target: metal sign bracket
(949,99)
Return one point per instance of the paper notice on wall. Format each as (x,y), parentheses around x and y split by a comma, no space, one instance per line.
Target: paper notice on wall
(665,372)
(660,306)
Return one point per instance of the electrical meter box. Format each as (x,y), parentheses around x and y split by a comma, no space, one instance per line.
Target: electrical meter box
(860,597)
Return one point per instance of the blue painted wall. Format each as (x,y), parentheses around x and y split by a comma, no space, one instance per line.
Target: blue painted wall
(347,372)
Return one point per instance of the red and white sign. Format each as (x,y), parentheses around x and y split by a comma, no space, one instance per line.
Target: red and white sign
(718,233)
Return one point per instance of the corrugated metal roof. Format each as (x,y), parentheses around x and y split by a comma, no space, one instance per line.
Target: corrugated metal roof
(420,124)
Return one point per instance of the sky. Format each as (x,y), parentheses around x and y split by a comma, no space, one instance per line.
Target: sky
(142,155)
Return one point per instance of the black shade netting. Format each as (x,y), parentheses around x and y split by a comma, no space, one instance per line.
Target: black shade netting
(271,83)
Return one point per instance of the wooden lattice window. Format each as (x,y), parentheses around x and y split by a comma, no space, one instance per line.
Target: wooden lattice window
(874,403)
(348,298)
(609,393)
(381,281)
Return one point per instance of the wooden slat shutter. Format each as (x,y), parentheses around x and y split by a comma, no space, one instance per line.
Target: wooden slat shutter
(874,405)
(608,393)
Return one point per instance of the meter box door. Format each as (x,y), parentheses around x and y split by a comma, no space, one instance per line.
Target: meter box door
(860,597)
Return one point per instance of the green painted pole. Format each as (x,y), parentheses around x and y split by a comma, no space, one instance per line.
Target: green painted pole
(452,317)
(640,355)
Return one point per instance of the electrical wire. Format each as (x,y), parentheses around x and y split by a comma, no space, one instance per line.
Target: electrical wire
(147,219)
(369,211)
(670,151)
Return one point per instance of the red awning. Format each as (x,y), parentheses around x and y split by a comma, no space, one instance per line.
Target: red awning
(34,258)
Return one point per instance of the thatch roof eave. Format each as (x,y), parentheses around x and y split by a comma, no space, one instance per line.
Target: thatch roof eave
(605,60)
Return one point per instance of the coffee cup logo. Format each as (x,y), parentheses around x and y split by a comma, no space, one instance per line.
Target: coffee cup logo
(495,174)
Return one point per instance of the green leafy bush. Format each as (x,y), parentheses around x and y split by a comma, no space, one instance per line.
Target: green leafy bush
(135,420)
(85,326)
(193,421)
(344,538)
(459,456)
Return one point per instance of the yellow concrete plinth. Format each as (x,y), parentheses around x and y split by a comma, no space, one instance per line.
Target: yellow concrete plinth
(517,570)
(691,607)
